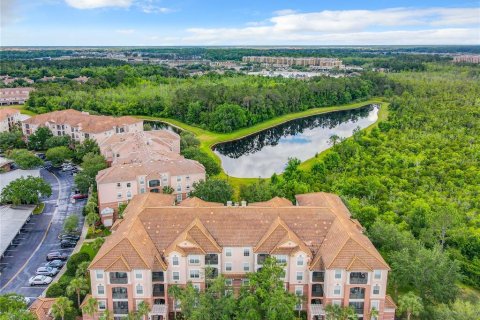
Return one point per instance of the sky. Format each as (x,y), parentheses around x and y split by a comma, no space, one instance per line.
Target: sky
(237,23)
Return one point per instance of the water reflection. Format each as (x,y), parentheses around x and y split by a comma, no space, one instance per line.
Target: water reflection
(262,154)
(158,125)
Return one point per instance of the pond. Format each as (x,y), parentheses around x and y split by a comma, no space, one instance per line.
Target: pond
(267,152)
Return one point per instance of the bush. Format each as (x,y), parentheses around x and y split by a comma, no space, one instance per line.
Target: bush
(211,166)
(75,260)
(56,290)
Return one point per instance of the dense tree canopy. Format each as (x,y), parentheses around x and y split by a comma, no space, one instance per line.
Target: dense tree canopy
(25,191)
(24,158)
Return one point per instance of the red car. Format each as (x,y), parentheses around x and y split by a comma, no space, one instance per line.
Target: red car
(80,196)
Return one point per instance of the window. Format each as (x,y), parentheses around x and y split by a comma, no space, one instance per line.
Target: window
(358,277)
(153,183)
(138,274)
(99,274)
(158,290)
(175,275)
(119,293)
(300,261)
(196,286)
(179,179)
(100,289)
(118,278)
(211,259)
(119,184)
(375,304)
(246,266)
(175,260)
(228,266)
(120,307)
(281,259)
(129,194)
(142,190)
(245,282)
(194,274)
(338,274)
(299,291)
(228,282)
(337,290)
(299,276)
(129,184)
(179,187)
(119,195)
(157,276)
(246,252)
(139,289)
(179,197)
(357,293)
(102,305)
(142,181)
(194,260)
(228,252)
(376,289)
(377,274)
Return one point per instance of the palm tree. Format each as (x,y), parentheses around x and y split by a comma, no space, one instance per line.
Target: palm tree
(61,307)
(91,219)
(82,269)
(97,243)
(106,315)
(175,292)
(411,304)
(90,307)
(78,286)
(373,313)
(143,309)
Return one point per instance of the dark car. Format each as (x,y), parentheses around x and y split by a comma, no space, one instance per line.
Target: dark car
(55,264)
(68,243)
(72,237)
(56,255)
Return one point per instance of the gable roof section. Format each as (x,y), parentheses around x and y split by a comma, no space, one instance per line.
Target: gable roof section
(276,202)
(41,308)
(358,264)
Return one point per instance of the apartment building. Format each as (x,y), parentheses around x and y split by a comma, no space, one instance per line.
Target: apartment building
(81,125)
(471,58)
(131,147)
(19,95)
(8,118)
(121,182)
(290,61)
(158,243)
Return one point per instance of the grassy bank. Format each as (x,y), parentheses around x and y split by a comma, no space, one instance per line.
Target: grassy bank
(209,139)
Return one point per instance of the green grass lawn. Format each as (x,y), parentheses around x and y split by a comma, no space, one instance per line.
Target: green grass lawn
(209,139)
(39,208)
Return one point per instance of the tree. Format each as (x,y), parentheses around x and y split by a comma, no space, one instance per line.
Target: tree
(24,158)
(459,310)
(227,117)
(91,165)
(78,286)
(411,304)
(82,270)
(11,140)
(25,191)
(336,312)
(106,315)
(214,190)
(58,155)
(61,307)
(143,309)
(58,141)
(176,293)
(11,302)
(167,190)
(38,139)
(97,243)
(91,219)
(70,224)
(90,307)
(87,146)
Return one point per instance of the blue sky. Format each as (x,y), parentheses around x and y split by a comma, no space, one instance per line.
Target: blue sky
(260,22)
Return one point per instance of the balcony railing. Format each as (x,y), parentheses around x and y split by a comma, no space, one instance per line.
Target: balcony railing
(120,307)
(357,306)
(118,278)
(158,290)
(357,293)
(261,258)
(318,276)
(119,293)
(211,259)
(158,276)
(358,278)
(317,290)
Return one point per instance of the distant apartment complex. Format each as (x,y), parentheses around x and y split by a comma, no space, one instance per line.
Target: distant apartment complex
(141,162)
(327,258)
(9,96)
(467,59)
(8,118)
(81,125)
(326,63)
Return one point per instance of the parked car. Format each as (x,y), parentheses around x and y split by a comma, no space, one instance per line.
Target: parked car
(73,237)
(39,280)
(80,196)
(47,271)
(56,255)
(68,243)
(55,264)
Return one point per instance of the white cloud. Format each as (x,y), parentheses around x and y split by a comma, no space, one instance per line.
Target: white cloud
(149,8)
(284,12)
(93,4)
(125,31)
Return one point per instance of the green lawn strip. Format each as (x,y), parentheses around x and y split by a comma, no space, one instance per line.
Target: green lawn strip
(39,208)
(22,109)
(209,139)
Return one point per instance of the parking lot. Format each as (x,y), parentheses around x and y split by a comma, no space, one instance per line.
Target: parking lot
(39,237)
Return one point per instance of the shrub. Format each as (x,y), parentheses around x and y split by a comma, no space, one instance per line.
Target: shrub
(56,290)
(75,260)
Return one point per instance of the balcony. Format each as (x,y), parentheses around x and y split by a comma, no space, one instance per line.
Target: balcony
(357,306)
(120,307)
(118,278)
(261,257)
(358,277)
(158,290)
(157,276)
(317,290)
(119,293)
(211,259)
(318,276)
(357,293)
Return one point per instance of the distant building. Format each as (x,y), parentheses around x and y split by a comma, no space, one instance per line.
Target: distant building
(8,118)
(42,308)
(9,96)
(326,63)
(159,244)
(81,125)
(467,59)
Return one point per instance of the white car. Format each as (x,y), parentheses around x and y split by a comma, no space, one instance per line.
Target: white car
(39,280)
(47,271)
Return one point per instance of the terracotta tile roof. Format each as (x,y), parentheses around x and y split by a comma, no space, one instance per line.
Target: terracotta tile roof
(152,169)
(86,122)
(154,226)
(389,303)
(40,308)
(274,203)
(7,112)
(130,147)
(195,202)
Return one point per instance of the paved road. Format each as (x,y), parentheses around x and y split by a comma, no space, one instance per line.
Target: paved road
(39,237)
